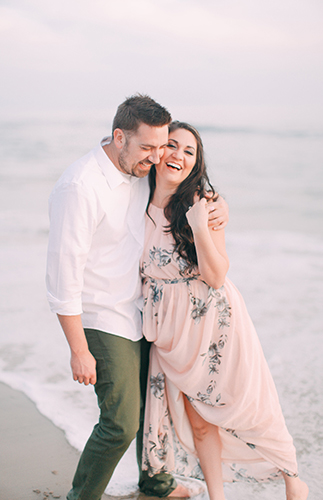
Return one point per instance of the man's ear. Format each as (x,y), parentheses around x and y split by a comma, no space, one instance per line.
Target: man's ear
(119,138)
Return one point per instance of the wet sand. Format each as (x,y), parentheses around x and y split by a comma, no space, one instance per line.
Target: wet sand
(36,461)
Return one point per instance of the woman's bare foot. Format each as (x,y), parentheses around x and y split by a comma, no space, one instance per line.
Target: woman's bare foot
(179,492)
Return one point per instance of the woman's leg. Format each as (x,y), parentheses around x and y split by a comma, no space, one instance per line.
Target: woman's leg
(295,488)
(208,446)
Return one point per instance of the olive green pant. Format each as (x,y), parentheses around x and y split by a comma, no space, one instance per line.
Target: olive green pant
(119,394)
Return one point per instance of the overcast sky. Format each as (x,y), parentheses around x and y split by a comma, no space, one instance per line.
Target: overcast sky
(224,61)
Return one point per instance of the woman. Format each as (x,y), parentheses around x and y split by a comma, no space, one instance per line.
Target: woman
(210,393)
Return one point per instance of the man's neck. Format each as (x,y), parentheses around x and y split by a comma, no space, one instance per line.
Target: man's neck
(112,153)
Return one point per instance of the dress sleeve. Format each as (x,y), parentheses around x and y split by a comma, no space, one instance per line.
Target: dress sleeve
(72,223)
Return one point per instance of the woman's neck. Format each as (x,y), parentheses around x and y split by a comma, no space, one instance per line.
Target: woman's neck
(162,195)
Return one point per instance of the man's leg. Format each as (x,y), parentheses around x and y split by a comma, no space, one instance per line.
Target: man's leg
(118,392)
(161,484)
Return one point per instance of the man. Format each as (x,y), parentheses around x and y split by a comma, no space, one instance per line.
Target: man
(96,237)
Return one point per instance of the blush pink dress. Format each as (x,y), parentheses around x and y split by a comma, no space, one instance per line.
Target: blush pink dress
(205,348)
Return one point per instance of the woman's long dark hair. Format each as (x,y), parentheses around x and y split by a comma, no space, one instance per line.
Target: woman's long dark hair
(175,211)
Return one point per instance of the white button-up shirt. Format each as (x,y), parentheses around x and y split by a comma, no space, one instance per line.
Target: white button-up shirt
(95,243)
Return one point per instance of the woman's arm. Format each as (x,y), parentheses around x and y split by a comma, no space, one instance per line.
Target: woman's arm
(213,262)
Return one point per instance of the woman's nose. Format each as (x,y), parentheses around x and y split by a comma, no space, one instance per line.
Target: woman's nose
(178,154)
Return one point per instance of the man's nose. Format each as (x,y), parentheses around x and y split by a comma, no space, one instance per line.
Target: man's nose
(154,157)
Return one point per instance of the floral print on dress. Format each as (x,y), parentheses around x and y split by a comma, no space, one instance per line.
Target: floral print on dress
(163,257)
(206,399)
(241,474)
(200,309)
(222,306)
(157,385)
(214,355)
(156,291)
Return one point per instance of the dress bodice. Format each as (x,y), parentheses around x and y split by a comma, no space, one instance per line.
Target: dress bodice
(159,260)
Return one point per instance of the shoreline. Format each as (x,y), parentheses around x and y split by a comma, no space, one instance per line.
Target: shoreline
(36,461)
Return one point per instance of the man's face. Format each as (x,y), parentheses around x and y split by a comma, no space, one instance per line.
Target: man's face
(143,149)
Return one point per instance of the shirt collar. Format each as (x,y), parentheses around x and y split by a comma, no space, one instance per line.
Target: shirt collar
(112,174)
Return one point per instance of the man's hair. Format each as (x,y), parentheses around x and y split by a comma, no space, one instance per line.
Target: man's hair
(139,109)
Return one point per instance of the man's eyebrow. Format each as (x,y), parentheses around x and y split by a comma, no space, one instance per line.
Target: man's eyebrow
(153,146)
(191,147)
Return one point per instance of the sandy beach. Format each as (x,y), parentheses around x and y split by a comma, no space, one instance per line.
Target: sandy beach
(36,461)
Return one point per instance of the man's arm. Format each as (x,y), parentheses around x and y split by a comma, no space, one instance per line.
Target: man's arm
(82,362)
(218,212)
(70,236)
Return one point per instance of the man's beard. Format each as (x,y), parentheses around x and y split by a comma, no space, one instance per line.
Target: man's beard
(134,169)
(122,161)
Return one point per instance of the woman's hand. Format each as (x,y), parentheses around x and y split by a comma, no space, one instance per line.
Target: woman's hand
(212,259)
(197,215)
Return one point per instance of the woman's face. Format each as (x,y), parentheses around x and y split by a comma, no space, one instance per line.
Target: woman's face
(179,158)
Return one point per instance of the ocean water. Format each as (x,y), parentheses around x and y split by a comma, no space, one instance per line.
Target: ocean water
(273,182)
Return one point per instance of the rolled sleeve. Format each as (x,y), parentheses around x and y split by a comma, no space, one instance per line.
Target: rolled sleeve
(72,223)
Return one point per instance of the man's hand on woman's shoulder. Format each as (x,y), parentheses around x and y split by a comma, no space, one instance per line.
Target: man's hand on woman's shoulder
(218,211)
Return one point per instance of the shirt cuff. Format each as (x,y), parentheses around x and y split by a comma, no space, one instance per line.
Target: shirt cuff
(65,308)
